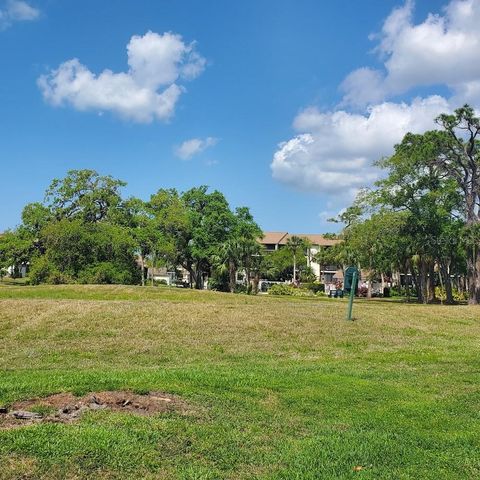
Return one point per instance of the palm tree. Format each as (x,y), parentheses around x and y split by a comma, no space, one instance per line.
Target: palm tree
(294,245)
(250,251)
(229,257)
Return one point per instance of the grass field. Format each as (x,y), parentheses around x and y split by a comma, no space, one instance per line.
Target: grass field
(278,388)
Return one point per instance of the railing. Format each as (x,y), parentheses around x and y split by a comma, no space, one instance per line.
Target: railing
(330,268)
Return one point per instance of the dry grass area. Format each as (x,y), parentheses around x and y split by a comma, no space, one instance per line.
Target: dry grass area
(287,388)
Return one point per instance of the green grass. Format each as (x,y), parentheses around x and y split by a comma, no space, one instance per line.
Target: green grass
(12,281)
(280,388)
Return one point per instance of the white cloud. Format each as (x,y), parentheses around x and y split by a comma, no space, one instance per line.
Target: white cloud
(17,11)
(363,86)
(194,146)
(148,91)
(441,50)
(333,151)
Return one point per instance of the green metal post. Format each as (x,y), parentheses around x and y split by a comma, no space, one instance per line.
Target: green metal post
(352,294)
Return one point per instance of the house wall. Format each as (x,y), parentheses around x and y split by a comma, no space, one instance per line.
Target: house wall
(328,271)
(22,270)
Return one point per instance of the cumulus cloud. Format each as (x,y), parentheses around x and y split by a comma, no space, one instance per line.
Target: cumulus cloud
(149,90)
(17,11)
(333,151)
(441,50)
(189,148)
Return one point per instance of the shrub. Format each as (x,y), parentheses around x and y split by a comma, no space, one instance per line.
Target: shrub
(105,273)
(402,291)
(240,288)
(219,281)
(40,270)
(457,296)
(315,287)
(302,292)
(281,289)
(59,278)
(43,270)
(307,275)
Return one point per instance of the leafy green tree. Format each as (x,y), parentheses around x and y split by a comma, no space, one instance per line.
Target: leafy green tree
(278,265)
(82,231)
(35,216)
(16,248)
(259,267)
(460,160)
(228,259)
(69,245)
(85,231)
(240,248)
(246,233)
(416,185)
(171,227)
(137,218)
(210,222)
(87,252)
(296,246)
(378,244)
(84,194)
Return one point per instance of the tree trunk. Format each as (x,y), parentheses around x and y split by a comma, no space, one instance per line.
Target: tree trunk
(422,277)
(198,281)
(461,284)
(191,274)
(232,277)
(477,277)
(153,269)
(255,282)
(407,285)
(294,269)
(431,282)
(248,280)
(447,283)
(473,275)
(142,266)
(417,280)
(473,251)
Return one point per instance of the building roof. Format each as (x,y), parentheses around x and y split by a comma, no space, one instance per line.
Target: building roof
(317,239)
(273,238)
(280,238)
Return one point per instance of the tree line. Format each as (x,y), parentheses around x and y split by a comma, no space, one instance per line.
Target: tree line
(420,222)
(422,218)
(86,232)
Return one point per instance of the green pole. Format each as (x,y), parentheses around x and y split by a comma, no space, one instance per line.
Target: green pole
(352,294)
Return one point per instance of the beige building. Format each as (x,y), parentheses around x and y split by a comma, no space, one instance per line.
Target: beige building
(274,240)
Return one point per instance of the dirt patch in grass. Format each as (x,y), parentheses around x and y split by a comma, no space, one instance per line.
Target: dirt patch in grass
(66,407)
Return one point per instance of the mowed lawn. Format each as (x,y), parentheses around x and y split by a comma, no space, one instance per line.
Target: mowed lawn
(278,388)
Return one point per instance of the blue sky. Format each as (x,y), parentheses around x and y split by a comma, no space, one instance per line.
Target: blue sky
(282,105)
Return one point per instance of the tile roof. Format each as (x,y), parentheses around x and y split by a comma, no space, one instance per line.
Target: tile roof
(317,239)
(273,238)
(280,238)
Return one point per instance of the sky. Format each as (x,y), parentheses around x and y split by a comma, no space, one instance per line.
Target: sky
(283,105)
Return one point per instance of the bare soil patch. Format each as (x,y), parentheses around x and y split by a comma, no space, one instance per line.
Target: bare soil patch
(66,407)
